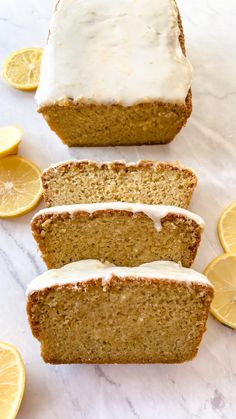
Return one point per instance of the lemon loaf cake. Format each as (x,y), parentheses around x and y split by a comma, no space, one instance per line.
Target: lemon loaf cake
(114,72)
(122,233)
(90,312)
(148,182)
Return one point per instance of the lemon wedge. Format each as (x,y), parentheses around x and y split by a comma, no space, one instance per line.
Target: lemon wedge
(12,381)
(222,274)
(10,138)
(227,228)
(20,186)
(21,69)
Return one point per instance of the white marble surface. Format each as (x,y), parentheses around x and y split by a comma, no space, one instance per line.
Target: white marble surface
(204,388)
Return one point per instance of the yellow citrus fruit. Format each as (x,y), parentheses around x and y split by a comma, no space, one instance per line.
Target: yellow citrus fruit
(227,228)
(12,381)
(21,69)
(10,138)
(222,274)
(20,186)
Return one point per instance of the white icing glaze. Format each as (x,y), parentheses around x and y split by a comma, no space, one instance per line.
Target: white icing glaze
(155,212)
(114,51)
(85,270)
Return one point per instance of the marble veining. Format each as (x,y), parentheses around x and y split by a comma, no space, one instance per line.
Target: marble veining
(205,387)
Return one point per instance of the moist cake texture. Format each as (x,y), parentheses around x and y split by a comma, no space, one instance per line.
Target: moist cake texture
(114,72)
(122,233)
(148,182)
(89,312)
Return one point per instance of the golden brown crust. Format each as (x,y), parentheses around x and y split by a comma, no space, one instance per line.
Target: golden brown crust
(116,280)
(118,164)
(188,100)
(197,232)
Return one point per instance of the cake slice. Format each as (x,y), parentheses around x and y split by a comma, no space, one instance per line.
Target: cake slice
(122,233)
(89,312)
(115,73)
(148,182)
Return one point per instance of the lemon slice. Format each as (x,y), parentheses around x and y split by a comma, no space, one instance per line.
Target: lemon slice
(10,138)
(227,228)
(12,381)
(222,274)
(20,186)
(21,69)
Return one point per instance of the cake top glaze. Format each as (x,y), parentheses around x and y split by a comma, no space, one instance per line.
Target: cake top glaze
(114,52)
(85,270)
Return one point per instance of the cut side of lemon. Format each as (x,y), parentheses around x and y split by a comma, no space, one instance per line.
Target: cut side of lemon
(10,138)
(20,186)
(12,381)
(21,69)
(222,274)
(227,228)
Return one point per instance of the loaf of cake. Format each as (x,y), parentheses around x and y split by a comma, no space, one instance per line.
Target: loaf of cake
(122,233)
(147,182)
(115,73)
(90,312)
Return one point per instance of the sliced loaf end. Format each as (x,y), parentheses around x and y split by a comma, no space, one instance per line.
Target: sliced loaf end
(148,182)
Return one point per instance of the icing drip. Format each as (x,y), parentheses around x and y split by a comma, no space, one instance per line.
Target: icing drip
(155,212)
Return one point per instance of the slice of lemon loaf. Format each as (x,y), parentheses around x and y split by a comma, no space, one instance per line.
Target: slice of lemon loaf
(90,312)
(148,182)
(122,233)
(115,73)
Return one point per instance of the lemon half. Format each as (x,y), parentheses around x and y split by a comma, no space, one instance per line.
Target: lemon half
(20,186)
(12,381)
(222,274)
(227,228)
(21,69)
